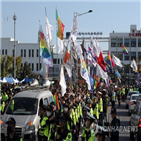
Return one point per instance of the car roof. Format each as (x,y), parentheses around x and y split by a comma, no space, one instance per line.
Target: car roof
(134,95)
(33,94)
(132,91)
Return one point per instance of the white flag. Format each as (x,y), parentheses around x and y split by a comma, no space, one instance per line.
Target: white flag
(62,81)
(117,61)
(60,46)
(84,72)
(91,59)
(100,73)
(94,45)
(49,30)
(74,29)
(78,49)
(134,65)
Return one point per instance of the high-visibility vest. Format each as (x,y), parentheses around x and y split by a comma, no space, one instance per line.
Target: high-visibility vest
(2,106)
(91,111)
(43,131)
(4,96)
(130,89)
(84,134)
(113,97)
(68,138)
(73,117)
(96,113)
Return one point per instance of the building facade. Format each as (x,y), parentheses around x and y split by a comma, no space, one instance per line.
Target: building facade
(30,54)
(131,40)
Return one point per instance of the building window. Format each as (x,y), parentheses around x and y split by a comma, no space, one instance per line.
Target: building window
(133,55)
(29,64)
(37,52)
(133,42)
(21,53)
(113,42)
(21,65)
(32,52)
(13,53)
(139,56)
(6,52)
(139,42)
(54,61)
(24,52)
(40,66)
(126,42)
(3,52)
(37,67)
(32,67)
(120,55)
(120,42)
(126,57)
(29,53)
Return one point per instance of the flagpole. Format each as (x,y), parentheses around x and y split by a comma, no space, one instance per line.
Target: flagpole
(39,36)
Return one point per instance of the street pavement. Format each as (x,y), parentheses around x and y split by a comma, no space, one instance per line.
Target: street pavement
(122,114)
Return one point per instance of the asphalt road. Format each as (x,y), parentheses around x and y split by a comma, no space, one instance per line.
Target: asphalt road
(122,114)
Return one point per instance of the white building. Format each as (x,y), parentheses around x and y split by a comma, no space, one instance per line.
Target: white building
(30,54)
(131,40)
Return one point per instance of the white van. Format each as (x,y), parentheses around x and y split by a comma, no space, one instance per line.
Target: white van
(25,109)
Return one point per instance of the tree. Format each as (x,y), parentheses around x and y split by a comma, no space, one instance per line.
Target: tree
(26,71)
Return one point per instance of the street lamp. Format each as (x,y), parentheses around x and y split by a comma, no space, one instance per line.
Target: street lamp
(14,18)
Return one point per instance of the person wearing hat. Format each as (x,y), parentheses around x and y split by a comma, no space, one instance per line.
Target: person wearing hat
(41,132)
(62,133)
(113,98)
(89,101)
(2,105)
(114,123)
(85,110)
(11,134)
(88,133)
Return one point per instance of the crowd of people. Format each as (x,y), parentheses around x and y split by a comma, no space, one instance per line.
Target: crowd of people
(79,111)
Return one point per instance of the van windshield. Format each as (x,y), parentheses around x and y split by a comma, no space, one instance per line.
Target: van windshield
(22,106)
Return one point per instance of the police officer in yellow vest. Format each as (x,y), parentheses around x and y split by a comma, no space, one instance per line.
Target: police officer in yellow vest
(62,133)
(100,106)
(123,93)
(89,101)
(42,128)
(2,105)
(4,95)
(96,108)
(88,131)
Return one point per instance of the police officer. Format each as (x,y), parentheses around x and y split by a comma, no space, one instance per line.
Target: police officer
(115,123)
(118,97)
(113,98)
(11,135)
(100,106)
(2,106)
(41,135)
(61,133)
(88,132)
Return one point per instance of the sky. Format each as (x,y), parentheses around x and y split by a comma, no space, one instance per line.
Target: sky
(106,17)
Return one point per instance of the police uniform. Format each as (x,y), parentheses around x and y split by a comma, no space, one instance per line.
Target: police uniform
(88,133)
(115,124)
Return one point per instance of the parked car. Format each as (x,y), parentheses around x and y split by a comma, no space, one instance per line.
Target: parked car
(25,109)
(128,97)
(135,123)
(132,103)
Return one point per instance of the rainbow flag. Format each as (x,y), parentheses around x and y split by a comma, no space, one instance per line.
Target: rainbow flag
(125,51)
(136,82)
(60,26)
(56,101)
(44,50)
(96,81)
(109,60)
(119,80)
(140,68)
(102,83)
(88,94)
(116,82)
(135,71)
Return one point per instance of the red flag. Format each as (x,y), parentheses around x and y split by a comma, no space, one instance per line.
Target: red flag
(101,61)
